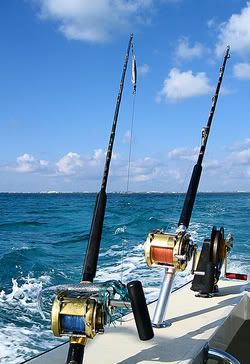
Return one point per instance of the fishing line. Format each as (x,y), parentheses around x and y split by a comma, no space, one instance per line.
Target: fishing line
(130,142)
(134,82)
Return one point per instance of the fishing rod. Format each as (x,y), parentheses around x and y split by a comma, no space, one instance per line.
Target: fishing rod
(174,250)
(195,178)
(81,311)
(91,257)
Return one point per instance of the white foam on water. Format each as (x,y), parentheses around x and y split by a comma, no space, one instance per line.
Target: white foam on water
(25,334)
(120,230)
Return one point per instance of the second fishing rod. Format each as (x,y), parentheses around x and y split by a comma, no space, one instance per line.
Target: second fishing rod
(173,251)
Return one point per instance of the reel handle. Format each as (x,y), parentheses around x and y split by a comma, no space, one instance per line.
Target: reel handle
(140,310)
(242,277)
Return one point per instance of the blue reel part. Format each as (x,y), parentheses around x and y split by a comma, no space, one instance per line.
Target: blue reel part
(72,324)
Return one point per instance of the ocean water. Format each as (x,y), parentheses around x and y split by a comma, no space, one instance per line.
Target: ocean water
(44,237)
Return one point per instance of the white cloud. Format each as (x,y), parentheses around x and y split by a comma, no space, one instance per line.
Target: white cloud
(151,169)
(184,153)
(211,23)
(185,51)
(240,157)
(126,137)
(242,71)
(98,156)
(180,85)
(86,166)
(239,153)
(69,164)
(235,32)
(95,20)
(79,172)
(143,69)
(212,164)
(28,163)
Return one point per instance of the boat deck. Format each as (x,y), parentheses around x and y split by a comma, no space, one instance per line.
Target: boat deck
(194,322)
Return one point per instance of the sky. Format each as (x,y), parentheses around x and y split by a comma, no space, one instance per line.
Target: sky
(60,70)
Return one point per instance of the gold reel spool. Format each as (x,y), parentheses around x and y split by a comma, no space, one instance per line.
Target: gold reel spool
(168,250)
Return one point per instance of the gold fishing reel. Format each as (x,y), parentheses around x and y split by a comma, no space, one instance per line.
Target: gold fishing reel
(169,250)
(77,316)
(82,310)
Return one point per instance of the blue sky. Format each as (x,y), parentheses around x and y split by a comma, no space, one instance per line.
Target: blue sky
(60,69)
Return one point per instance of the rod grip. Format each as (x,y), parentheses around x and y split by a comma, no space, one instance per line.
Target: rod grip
(190,196)
(93,247)
(140,310)
(75,354)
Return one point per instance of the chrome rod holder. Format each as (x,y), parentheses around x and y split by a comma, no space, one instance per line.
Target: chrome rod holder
(161,306)
(217,354)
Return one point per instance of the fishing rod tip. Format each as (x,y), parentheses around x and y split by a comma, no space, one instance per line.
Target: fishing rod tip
(227,51)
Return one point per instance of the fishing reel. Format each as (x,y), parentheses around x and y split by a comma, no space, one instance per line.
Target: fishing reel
(81,317)
(169,250)
(213,255)
(173,252)
(81,311)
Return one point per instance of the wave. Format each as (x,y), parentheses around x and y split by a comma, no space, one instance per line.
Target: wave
(48,248)
(21,224)
(22,332)
(73,238)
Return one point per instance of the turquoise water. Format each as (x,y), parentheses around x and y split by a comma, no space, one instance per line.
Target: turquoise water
(43,240)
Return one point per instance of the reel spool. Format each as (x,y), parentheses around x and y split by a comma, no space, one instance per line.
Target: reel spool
(169,250)
(78,317)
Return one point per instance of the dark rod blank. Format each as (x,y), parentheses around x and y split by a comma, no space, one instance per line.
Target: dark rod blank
(93,247)
(75,354)
(195,179)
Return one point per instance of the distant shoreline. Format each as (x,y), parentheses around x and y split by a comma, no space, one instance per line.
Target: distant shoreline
(121,193)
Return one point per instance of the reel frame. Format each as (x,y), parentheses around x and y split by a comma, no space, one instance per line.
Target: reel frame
(208,270)
(169,250)
(84,308)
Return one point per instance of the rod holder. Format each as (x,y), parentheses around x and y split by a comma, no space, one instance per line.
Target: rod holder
(161,307)
(222,356)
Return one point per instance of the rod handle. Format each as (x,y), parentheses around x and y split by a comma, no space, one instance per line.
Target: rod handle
(75,354)
(93,247)
(190,196)
(140,310)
